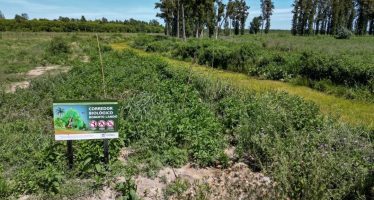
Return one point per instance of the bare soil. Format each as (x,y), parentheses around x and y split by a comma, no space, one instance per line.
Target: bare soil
(235,182)
(34,73)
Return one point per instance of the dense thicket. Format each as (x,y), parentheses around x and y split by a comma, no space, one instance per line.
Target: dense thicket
(64,24)
(191,18)
(330,16)
(256,60)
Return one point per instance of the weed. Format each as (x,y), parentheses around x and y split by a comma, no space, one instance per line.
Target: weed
(127,190)
(176,188)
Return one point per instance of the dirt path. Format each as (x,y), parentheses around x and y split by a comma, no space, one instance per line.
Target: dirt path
(354,112)
(34,73)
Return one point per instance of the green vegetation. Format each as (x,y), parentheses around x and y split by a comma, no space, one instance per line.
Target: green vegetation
(21,52)
(170,115)
(127,190)
(176,188)
(65,24)
(343,75)
(19,55)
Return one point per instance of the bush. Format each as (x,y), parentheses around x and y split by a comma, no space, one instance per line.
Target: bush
(4,189)
(215,56)
(343,33)
(308,157)
(175,157)
(58,46)
(127,190)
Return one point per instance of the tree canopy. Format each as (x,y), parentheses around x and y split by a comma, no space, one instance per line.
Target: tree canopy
(330,16)
(191,18)
(66,24)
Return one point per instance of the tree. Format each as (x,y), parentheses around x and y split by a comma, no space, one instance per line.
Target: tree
(237,12)
(83,19)
(25,16)
(243,15)
(166,12)
(255,25)
(220,13)
(295,17)
(104,20)
(60,111)
(19,18)
(2,15)
(267,10)
(332,16)
(185,18)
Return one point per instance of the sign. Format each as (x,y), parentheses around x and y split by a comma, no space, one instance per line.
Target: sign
(84,120)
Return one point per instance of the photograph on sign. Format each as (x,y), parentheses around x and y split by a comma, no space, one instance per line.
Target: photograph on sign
(85,120)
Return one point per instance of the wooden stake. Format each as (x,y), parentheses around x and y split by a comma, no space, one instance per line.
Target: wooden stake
(102,65)
(106,141)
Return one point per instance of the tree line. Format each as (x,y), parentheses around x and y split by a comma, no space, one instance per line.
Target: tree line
(330,16)
(66,24)
(185,18)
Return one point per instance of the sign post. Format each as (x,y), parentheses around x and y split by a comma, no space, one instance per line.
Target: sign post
(70,154)
(85,120)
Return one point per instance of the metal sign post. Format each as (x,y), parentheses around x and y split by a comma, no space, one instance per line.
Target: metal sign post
(70,154)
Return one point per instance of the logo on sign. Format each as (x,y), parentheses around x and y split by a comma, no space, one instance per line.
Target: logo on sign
(110,124)
(102,124)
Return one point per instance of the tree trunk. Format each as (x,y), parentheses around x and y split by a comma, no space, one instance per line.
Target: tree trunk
(183,23)
(197,31)
(371,27)
(217,28)
(178,29)
(230,24)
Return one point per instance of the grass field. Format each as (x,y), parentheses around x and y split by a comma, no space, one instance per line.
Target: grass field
(358,48)
(174,115)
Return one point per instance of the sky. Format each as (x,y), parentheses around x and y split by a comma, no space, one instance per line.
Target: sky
(122,9)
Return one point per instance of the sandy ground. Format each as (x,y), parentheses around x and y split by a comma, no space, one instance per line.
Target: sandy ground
(235,182)
(34,73)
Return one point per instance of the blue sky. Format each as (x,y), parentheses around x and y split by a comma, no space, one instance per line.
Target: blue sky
(121,9)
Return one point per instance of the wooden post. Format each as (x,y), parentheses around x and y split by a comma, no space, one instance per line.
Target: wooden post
(106,141)
(70,154)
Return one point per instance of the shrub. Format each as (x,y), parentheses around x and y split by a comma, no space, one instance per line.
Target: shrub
(127,190)
(308,157)
(176,188)
(4,189)
(175,157)
(215,56)
(343,33)
(58,46)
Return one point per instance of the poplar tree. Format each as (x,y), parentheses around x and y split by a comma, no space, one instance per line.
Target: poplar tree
(329,16)
(267,10)
(2,15)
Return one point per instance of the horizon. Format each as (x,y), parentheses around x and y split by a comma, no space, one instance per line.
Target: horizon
(117,10)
